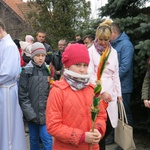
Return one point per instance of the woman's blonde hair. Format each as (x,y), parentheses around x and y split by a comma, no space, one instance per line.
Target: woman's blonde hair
(103,30)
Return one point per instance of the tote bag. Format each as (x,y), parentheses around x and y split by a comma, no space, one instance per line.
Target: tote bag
(124,132)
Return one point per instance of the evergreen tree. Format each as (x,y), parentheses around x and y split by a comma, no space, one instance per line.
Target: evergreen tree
(134,18)
(61,19)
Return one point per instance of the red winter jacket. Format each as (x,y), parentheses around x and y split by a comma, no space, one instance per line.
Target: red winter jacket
(68,116)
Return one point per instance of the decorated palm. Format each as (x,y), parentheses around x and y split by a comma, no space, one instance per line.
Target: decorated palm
(50,79)
(98,87)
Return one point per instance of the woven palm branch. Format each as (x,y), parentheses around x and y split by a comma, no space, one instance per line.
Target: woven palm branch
(98,87)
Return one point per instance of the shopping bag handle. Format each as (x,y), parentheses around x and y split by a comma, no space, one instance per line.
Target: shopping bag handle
(122,112)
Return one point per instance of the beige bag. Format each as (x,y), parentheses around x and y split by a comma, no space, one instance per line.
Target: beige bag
(124,132)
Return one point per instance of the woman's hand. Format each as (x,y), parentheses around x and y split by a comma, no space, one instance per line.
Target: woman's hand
(119,98)
(106,97)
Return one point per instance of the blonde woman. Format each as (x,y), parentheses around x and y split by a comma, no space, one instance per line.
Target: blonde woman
(111,89)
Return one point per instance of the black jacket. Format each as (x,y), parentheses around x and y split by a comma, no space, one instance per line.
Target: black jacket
(33,91)
(57,63)
(49,51)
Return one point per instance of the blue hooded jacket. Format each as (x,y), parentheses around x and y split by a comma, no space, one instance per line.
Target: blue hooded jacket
(125,52)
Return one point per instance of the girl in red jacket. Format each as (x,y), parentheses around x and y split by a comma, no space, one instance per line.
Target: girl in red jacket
(68,112)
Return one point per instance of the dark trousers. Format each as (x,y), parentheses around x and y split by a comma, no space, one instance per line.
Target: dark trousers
(127,105)
(108,130)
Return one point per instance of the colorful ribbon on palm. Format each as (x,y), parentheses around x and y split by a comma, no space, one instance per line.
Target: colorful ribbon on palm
(50,78)
(98,87)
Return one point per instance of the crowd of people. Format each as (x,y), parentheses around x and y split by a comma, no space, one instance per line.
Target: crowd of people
(58,113)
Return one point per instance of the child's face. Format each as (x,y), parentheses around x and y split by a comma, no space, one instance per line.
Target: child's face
(80,68)
(39,59)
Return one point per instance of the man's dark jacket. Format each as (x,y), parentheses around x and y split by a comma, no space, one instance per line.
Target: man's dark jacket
(57,63)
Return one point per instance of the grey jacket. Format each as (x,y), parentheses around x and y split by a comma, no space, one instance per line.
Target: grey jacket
(33,91)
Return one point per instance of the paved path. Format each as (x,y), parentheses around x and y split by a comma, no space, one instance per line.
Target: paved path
(113,146)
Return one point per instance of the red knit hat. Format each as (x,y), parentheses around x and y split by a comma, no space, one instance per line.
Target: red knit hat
(75,53)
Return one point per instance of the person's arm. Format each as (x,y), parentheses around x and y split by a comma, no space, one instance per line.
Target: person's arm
(10,64)
(126,59)
(23,95)
(48,58)
(49,51)
(145,89)
(116,79)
